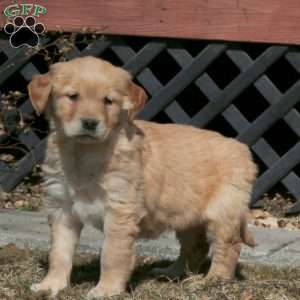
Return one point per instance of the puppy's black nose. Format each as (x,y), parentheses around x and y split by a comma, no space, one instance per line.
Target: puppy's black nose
(89,124)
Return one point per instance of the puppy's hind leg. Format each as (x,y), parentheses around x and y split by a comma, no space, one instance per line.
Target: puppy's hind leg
(226,229)
(65,233)
(226,247)
(193,251)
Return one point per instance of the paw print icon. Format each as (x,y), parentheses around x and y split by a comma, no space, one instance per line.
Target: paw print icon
(24,32)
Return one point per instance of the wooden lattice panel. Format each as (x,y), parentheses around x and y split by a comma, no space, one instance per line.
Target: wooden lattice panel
(245,91)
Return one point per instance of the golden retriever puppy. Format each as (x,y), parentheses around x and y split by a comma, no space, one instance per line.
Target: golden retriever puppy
(135,179)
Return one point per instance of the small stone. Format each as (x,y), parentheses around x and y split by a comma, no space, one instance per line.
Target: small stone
(19,203)
(8,205)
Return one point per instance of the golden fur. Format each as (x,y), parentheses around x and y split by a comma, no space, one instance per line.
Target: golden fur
(135,179)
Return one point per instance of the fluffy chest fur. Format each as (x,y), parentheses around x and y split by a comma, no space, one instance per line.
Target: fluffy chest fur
(89,180)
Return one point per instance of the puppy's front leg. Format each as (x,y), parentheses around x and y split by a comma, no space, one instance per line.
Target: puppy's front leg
(117,257)
(65,233)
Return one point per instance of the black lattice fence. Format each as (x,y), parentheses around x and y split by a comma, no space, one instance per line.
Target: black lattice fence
(242,90)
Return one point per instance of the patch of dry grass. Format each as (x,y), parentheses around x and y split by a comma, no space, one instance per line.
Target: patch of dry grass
(20,268)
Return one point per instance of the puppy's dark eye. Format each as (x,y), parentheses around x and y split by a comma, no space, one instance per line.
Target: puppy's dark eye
(108,101)
(74,97)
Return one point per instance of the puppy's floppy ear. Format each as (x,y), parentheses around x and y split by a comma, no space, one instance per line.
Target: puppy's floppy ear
(39,90)
(138,98)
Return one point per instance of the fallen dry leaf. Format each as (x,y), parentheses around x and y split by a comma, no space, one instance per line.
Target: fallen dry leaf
(282,223)
(247,295)
(7,157)
(269,222)
(259,214)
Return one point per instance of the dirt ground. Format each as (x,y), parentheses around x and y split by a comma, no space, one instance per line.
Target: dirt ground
(20,268)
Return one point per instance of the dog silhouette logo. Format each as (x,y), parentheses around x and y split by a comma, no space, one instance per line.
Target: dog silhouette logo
(23,27)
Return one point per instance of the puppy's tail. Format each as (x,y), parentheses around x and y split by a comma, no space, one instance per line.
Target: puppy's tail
(246,235)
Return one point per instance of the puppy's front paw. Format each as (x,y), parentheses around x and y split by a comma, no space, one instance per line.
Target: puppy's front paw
(99,292)
(49,286)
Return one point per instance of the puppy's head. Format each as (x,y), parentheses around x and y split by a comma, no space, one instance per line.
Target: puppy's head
(87,97)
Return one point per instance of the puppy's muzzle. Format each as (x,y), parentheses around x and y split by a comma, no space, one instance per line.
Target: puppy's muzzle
(89,124)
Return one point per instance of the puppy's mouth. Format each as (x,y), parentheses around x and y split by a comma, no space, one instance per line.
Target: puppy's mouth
(86,136)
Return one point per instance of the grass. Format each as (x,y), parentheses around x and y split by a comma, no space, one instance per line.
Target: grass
(20,268)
